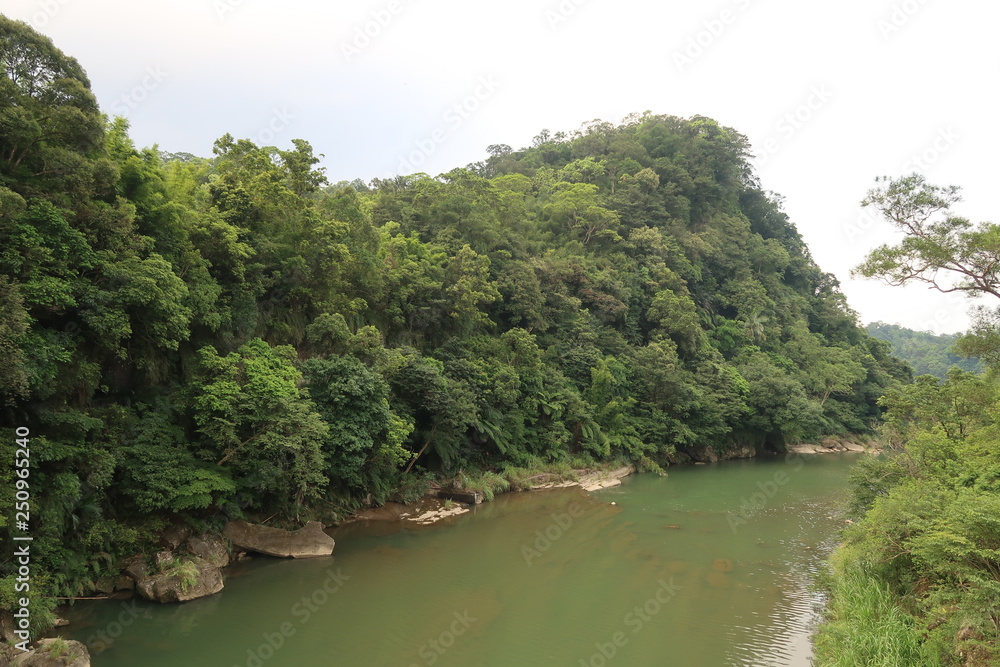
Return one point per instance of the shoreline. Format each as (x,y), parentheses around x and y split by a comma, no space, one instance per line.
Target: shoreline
(433,508)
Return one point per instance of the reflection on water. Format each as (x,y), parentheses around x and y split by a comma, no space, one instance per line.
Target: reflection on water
(710,566)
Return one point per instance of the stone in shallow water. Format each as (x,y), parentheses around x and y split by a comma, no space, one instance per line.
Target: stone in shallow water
(307,542)
(722,565)
(193,579)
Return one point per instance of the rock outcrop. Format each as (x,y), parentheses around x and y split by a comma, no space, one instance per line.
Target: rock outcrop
(704,454)
(174,536)
(739,452)
(181,580)
(54,653)
(605,479)
(833,445)
(109,585)
(307,542)
(209,547)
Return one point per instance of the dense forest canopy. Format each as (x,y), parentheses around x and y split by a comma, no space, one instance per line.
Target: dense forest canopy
(928,353)
(210,338)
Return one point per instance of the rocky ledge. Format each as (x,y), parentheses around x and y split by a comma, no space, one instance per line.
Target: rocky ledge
(589,481)
(53,652)
(605,479)
(307,542)
(830,445)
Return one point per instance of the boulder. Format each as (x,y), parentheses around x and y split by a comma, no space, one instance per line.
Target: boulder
(174,536)
(182,581)
(123,582)
(54,652)
(209,547)
(7,627)
(137,568)
(104,585)
(307,542)
(740,452)
(832,444)
(467,497)
(704,453)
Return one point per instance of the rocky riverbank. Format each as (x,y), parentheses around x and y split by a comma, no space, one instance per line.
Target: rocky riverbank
(52,652)
(440,503)
(833,445)
(190,565)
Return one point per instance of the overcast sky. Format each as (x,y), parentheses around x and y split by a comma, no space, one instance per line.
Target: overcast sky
(830,94)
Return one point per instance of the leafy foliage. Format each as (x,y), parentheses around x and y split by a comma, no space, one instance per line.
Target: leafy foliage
(196,337)
(919,573)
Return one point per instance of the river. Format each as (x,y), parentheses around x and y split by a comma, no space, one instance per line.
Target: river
(710,566)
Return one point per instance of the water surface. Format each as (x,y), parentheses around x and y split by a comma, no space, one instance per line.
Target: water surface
(710,566)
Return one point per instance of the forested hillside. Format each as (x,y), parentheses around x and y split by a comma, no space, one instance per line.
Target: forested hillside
(210,338)
(927,353)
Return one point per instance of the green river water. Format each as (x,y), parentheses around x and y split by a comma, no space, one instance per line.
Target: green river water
(710,566)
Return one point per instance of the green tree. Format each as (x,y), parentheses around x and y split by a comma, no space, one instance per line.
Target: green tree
(578,207)
(363,447)
(49,119)
(936,243)
(257,421)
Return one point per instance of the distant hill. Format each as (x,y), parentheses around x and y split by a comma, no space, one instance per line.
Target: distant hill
(928,353)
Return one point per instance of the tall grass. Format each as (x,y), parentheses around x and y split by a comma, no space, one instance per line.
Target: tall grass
(865,627)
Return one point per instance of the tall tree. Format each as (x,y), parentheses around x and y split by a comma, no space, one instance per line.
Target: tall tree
(944,251)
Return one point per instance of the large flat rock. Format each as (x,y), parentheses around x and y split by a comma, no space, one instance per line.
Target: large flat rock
(605,479)
(307,542)
(190,580)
